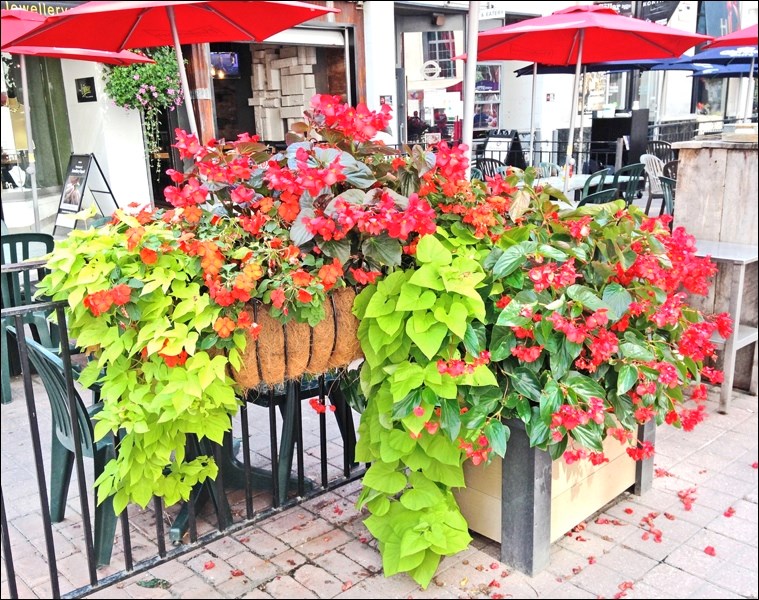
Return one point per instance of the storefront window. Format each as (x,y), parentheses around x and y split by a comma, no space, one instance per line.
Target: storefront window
(487,97)
(439,46)
(49,122)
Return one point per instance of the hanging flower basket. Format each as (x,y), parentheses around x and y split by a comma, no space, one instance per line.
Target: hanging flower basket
(285,352)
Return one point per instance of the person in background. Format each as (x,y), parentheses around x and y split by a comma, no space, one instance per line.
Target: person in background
(441,122)
(480,117)
(416,127)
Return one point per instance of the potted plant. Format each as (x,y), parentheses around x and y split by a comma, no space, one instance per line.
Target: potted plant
(570,323)
(479,302)
(150,88)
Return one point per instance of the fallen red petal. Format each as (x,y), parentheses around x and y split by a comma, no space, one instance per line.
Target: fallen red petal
(591,560)
(347,585)
(755,465)
(494,583)
(629,511)
(670,516)
(209,565)
(495,566)
(710,551)
(576,570)
(236,573)
(625,585)
(729,512)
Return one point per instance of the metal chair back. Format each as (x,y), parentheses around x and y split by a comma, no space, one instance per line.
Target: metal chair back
(601,197)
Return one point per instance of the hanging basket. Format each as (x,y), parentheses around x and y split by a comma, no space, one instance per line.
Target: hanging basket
(286,352)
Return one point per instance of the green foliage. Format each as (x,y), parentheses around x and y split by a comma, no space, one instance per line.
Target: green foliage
(558,319)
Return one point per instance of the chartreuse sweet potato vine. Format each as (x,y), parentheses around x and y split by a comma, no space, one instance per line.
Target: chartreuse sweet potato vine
(152,403)
(572,321)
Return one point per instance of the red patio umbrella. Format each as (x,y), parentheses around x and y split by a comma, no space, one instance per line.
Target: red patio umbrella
(115,26)
(583,34)
(16,23)
(748,36)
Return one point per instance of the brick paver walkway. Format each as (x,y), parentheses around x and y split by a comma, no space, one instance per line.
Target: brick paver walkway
(322,550)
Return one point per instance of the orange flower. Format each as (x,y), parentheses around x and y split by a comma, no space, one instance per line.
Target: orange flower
(148,256)
(301,278)
(99,302)
(192,213)
(224,326)
(134,235)
(278,297)
(120,294)
(291,252)
(330,273)
(304,296)
(172,361)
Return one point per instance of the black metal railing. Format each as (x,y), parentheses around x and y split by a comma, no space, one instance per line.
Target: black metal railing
(265,471)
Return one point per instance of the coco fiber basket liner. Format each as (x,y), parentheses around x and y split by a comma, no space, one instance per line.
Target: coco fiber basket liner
(285,352)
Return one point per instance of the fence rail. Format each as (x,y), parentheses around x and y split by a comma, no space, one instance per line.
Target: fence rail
(264,474)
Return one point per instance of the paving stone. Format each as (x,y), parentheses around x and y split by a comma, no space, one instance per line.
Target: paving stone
(135,590)
(629,564)
(287,587)
(736,528)
(325,542)
(256,569)
(342,567)
(194,588)
(672,582)
(255,593)
(322,583)
(262,543)
(710,590)
(364,554)
(598,580)
(727,548)
(734,578)
(288,561)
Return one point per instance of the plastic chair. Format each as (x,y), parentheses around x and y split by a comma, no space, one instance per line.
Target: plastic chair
(628,189)
(668,194)
(50,368)
(661,150)
(549,169)
(653,166)
(670,169)
(595,183)
(490,167)
(601,197)
(17,290)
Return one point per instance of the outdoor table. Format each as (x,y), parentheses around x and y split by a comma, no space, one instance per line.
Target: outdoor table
(738,256)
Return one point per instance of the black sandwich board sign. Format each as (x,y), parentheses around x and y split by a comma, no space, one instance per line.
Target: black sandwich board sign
(79,177)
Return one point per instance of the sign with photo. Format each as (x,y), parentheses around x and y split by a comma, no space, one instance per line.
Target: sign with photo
(85,89)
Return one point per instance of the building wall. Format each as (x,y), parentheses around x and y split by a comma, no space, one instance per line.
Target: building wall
(112,134)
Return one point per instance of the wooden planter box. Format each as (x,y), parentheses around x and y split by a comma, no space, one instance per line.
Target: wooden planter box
(529,501)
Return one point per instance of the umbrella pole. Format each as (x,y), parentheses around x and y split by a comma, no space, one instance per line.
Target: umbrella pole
(182,72)
(470,72)
(575,91)
(30,169)
(659,104)
(583,83)
(749,94)
(532,115)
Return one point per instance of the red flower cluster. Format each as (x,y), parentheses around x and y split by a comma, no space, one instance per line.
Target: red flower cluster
(455,367)
(101,302)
